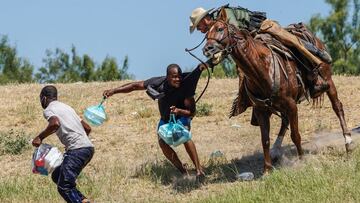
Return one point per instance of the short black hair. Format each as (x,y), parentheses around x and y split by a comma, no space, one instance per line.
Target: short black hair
(49,91)
(171,66)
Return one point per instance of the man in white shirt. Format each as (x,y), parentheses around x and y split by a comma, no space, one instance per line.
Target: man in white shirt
(73,133)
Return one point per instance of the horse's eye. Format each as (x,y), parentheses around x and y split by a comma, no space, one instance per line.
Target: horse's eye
(220,29)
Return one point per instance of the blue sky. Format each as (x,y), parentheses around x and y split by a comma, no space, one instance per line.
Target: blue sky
(152,33)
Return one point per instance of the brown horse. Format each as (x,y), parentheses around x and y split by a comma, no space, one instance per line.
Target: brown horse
(269,89)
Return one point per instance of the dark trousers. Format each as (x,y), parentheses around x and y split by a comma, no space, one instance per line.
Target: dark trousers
(65,175)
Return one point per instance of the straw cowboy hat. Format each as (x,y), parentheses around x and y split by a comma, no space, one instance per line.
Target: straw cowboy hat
(196,16)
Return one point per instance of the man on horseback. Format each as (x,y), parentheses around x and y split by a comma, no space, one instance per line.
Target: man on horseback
(272,76)
(256,22)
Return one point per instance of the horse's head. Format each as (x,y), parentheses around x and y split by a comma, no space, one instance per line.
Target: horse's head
(217,39)
(221,39)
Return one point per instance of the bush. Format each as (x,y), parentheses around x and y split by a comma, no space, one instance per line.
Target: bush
(203,109)
(13,142)
(145,112)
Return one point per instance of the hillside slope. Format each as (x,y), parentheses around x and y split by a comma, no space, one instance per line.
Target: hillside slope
(128,164)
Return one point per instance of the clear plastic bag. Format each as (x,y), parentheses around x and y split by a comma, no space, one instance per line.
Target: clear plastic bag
(95,115)
(174,133)
(45,159)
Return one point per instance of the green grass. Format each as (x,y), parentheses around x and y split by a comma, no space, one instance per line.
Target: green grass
(129,166)
(203,109)
(145,112)
(330,177)
(37,188)
(333,178)
(13,142)
(30,188)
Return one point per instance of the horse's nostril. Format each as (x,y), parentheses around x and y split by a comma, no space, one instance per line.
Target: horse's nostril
(206,50)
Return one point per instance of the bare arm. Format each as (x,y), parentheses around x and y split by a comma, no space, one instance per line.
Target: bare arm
(190,108)
(129,87)
(52,127)
(86,127)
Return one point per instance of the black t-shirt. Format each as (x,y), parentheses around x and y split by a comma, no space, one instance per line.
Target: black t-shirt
(174,96)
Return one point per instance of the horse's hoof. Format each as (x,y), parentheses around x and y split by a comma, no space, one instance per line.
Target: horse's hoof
(266,173)
(275,154)
(268,169)
(350,147)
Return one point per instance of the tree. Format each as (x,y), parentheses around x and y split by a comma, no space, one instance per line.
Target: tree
(55,64)
(341,34)
(12,67)
(225,69)
(87,69)
(124,75)
(62,67)
(108,70)
(229,67)
(71,68)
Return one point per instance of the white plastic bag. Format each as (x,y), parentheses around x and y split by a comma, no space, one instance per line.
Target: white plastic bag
(45,159)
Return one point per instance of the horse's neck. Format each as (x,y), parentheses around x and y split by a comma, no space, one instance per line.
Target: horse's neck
(254,59)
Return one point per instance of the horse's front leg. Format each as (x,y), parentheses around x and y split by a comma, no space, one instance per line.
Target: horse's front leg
(292,113)
(276,151)
(338,109)
(263,118)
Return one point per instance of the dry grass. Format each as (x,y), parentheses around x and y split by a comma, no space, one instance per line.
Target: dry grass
(128,164)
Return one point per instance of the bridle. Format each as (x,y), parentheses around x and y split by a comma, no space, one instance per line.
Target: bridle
(230,35)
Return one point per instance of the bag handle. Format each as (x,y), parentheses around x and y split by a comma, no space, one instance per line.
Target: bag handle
(172,118)
(102,101)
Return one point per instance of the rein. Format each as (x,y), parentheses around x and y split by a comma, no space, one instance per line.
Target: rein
(202,62)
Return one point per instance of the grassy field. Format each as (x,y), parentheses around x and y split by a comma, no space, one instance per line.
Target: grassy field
(128,165)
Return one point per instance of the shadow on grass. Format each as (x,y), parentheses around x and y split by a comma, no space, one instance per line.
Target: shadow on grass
(217,169)
(157,171)
(220,170)
(163,172)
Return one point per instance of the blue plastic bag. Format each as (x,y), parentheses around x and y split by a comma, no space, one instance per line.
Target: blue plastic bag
(174,133)
(95,115)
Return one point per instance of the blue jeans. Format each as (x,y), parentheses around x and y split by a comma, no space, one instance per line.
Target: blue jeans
(65,175)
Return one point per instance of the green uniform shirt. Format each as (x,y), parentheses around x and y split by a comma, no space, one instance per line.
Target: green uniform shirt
(242,17)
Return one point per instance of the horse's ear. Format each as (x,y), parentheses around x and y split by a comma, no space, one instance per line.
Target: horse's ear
(222,15)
